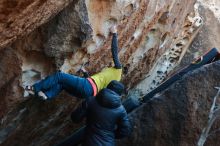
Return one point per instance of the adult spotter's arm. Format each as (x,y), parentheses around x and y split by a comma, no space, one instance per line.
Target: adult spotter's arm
(124,127)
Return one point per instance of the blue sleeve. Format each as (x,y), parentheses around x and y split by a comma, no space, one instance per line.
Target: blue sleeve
(123,126)
(114,49)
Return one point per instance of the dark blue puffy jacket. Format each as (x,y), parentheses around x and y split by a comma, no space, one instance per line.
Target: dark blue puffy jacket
(106,119)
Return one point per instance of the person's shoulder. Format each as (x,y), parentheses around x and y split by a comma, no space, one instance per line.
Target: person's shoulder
(108,98)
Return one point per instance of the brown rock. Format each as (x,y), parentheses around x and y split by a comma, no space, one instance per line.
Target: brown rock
(44,38)
(178,116)
(10,74)
(19,17)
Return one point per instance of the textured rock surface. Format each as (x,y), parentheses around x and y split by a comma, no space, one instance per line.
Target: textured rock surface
(19,17)
(10,90)
(80,34)
(36,40)
(178,115)
(207,38)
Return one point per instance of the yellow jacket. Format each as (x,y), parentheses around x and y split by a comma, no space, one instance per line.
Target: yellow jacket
(103,78)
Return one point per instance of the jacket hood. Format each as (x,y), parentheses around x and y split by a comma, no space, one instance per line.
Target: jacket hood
(116,86)
(108,98)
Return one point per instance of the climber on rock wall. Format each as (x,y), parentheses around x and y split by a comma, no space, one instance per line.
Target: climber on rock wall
(52,85)
(106,118)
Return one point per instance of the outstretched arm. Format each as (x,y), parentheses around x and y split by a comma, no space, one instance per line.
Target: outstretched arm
(114,48)
(124,127)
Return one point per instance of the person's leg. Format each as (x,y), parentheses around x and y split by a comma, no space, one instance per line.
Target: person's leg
(78,87)
(47,83)
(59,81)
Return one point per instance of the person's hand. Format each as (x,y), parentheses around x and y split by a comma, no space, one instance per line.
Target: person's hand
(113,29)
(83,69)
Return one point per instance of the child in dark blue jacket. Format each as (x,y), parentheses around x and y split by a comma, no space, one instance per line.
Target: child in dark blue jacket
(106,117)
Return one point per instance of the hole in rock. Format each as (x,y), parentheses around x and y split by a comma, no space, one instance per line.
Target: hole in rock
(129,9)
(153,30)
(164,36)
(126,68)
(99,39)
(164,17)
(174,21)
(179,44)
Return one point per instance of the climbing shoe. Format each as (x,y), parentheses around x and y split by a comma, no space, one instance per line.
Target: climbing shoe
(42,95)
(30,90)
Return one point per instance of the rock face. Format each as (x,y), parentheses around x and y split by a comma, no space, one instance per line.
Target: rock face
(178,115)
(207,37)
(19,17)
(80,34)
(41,36)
